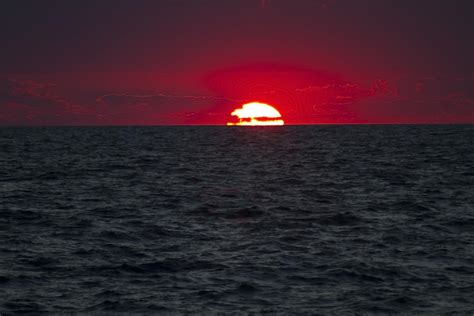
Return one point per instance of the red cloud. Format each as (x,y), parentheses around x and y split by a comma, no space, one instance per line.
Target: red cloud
(302,95)
(30,102)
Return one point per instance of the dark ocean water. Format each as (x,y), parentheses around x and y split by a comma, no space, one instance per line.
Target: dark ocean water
(291,220)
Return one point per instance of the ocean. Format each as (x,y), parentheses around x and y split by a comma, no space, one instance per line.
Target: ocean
(214,220)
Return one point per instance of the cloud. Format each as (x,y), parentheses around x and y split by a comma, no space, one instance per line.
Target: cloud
(301,95)
(436,102)
(26,102)
(31,102)
(158,96)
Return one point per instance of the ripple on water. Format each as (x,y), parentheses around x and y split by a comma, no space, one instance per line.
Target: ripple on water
(295,220)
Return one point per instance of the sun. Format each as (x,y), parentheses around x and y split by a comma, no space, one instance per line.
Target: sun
(257,114)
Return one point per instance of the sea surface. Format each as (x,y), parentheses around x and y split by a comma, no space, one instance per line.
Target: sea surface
(330,220)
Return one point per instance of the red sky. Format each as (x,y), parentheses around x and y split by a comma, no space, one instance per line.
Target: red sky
(192,62)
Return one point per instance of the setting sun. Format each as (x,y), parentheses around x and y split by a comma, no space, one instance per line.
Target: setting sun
(257,114)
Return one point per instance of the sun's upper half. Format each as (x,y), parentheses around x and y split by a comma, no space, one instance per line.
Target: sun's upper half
(257,114)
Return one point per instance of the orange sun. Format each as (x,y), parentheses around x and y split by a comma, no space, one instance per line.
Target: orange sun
(257,114)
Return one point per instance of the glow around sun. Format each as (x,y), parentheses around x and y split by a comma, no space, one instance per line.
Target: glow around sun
(257,114)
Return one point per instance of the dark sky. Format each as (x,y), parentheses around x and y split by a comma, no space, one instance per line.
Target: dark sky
(149,62)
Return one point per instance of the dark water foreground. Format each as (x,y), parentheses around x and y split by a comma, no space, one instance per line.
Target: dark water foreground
(311,220)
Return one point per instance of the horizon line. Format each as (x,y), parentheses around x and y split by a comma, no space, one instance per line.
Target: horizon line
(223,125)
